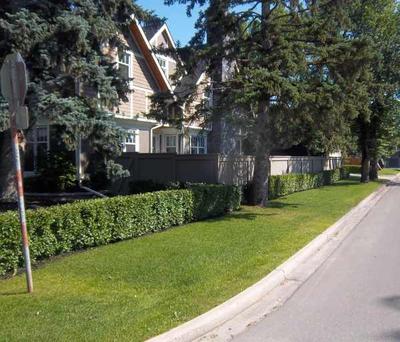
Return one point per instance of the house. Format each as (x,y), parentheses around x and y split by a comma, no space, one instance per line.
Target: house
(152,73)
(149,73)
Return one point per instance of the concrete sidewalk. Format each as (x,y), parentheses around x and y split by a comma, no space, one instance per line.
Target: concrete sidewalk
(354,295)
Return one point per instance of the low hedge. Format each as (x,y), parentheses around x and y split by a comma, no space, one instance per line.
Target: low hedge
(287,184)
(353,169)
(64,228)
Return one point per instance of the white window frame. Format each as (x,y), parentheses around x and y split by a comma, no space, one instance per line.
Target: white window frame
(129,65)
(135,134)
(157,148)
(164,60)
(35,144)
(175,146)
(197,147)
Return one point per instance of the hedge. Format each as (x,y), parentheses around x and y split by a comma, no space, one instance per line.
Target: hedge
(65,228)
(353,169)
(287,184)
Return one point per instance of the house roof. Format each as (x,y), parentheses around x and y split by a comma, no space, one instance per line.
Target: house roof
(144,45)
(191,80)
(144,36)
(151,27)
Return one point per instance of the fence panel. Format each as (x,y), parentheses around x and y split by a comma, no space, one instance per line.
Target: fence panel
(211,168)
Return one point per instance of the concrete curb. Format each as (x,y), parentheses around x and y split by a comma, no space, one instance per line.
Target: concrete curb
(208,324)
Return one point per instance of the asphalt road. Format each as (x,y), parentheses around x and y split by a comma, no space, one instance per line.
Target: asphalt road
(354,295)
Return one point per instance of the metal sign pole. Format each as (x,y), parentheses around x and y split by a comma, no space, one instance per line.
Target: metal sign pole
(13,88)
(21,200)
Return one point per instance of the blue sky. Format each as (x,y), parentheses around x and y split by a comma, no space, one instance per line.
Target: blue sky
(181,26)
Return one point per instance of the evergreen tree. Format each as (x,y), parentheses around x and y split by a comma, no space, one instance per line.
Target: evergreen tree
(291,70)
(73,82)
(377,129)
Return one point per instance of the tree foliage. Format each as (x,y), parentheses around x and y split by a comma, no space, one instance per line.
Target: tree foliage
(377,128)
(290,74)
(73,82)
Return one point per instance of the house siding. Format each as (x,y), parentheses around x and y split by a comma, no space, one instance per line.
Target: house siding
(132,114)
(142,76)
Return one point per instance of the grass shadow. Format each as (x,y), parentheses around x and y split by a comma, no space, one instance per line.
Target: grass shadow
(346,183)
(281,205)
(13,293)
(238,216)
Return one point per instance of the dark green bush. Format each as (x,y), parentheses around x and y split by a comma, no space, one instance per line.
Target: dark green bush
(211,198)
(353,169)
(83,224)
(287,184)
(143,186)
(56,172)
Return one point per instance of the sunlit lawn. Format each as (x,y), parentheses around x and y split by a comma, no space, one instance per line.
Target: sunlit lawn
(389,172)
(136,289)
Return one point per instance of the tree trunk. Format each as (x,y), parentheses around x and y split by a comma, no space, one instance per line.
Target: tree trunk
(364,143)
(7,186)
(262,153)
(215,39)
(365,162)
(259,194)
(261,165)
(373,171)
(373,145)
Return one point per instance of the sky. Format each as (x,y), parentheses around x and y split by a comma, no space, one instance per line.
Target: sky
(181,26)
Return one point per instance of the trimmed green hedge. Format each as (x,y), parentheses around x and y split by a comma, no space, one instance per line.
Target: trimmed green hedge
(287,184)
(83,224)
(353,169)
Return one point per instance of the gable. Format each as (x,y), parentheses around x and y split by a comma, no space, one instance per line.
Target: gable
(163,38)
(142,45)
(142,75)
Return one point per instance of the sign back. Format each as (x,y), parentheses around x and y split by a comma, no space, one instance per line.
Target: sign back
(14,78)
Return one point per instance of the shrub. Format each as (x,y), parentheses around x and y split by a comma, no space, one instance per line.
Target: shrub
(143,186)
(55,173)
(102,173)
(353,169)
(287,184)
(83,224)
(211,198)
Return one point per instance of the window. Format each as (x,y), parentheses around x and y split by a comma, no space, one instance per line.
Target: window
(163,64)
(156,143)
(208,96)
(37,145)
(124,65)
(170,143)
(131,143)
(197,144)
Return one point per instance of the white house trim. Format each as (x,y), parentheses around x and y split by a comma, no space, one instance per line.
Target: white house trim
(166,29)
(151,52)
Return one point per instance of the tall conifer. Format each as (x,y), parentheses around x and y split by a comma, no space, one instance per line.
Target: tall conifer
(73,82)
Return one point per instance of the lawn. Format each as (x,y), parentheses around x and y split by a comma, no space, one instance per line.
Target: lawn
(136,289)
(389,172)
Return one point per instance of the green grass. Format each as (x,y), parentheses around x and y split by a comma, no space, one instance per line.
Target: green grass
(389,172)
(136,289)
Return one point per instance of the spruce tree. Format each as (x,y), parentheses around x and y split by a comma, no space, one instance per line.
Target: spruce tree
(73,82)
(291,70)
(377,128)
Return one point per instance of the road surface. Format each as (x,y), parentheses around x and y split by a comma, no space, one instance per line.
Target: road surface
(354,295)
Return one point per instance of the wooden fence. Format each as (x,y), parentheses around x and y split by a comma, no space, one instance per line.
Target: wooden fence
(212,168)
